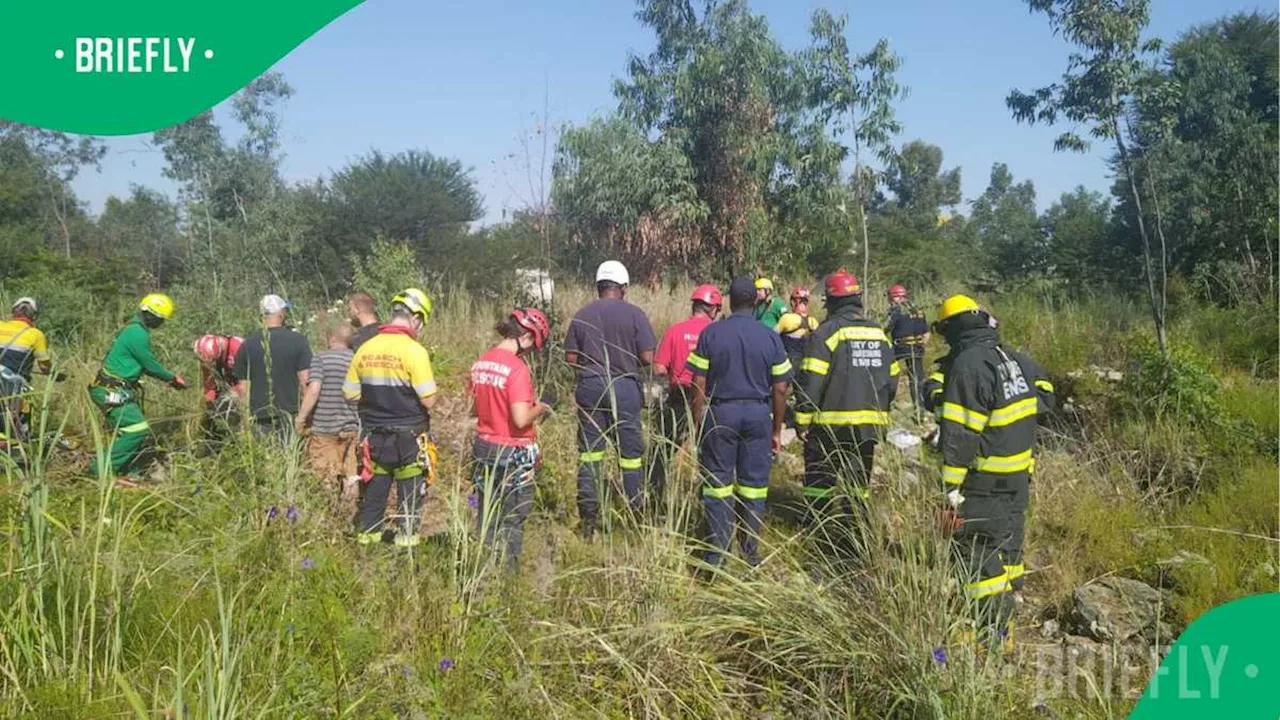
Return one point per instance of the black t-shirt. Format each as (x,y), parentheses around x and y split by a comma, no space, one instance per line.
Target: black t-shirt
(361,335)
(276,392)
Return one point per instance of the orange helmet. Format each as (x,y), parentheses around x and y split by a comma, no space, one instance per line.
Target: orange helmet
(842,283)
(707,294)
(897,291)
(535,322)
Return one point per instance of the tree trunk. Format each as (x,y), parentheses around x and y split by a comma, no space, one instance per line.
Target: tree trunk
(1157,314)
(866,245)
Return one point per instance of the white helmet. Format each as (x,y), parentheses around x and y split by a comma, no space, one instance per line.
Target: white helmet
(613,271)
(30,302)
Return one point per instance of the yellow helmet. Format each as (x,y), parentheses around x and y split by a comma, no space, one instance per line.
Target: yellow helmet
(956,305)
(416,301)
(157,304)
(764,282)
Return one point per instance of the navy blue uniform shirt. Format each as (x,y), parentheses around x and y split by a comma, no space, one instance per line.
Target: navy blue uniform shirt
(740,358)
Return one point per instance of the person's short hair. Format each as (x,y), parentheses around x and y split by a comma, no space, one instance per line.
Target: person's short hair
(607,285)
(363,301)
(341,332)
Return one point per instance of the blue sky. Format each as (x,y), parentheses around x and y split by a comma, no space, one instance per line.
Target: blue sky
(468,79)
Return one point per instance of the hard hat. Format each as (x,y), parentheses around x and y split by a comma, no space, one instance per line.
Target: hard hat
(764,283)
(535,322)
(614,272)
(211,348)
(842,283)
(708,295)
(157,304)
(29,302)
(233,346)
(956,305)
(415,301)
(897,291)
(790,322)
(800,294)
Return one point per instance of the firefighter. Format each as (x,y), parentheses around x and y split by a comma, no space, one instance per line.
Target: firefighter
(768,308)
(217,355)
(991,398)
(23,350)
(117,389)
(909,332)
(741,374)
(390,379)
(796,325)
(847,381)
(608,342)
(669,361)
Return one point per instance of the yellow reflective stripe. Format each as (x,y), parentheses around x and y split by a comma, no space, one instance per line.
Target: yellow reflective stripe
(596,456)
(938,377)
(971,419)
(630,463)
(991,586)
(1015,571)
(1012,413)
(350,390)
(413,540)
(1004,463)
(368,538)
(698,361)
(781,368)
(855,333)
(953,475)
(804,418)
(895,369)
(719,493)
(851,417)
(1044,385)
(136,427)
(407,471)
(752,493)
(815,366)
(1031,469)
(819,492)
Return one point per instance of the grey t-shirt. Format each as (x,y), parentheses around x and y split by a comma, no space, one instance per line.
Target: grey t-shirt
(332,414)
(609,334)
(274,393)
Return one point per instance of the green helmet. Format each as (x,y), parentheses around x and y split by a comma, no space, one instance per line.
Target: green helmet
(415,301)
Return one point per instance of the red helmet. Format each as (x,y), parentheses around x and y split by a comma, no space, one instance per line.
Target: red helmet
(233,347)
(897,291)
(535,322)
(708,295)
(842,284)
(800,294)
(211,348)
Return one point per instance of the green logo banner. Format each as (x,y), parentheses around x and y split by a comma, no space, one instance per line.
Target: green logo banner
(98,67)
(1226,664)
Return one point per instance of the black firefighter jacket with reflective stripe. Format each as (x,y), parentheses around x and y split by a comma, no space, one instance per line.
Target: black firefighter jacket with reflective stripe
(991,398)
(848,375)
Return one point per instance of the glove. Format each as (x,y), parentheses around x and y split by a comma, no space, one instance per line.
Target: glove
(178,383)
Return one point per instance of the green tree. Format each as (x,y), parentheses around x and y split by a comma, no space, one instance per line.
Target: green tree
(1100,88)
(1077,229)
(143,230)
(920,187)
(50,161)
(1007,228)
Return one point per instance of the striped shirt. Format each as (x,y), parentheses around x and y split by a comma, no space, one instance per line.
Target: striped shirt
(332,414)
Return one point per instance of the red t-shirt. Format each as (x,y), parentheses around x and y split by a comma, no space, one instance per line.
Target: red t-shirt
(677,342)
(499,379)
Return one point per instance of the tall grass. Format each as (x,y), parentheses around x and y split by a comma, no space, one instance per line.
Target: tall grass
(190,598)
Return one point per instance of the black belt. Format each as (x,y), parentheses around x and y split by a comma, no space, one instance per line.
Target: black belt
(112,381)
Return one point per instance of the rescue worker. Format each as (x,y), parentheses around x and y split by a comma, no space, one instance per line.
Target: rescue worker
(991,398)
(909,332)
(23,350)
(669,362)
(117,389)
(505,453)
(847,381)
(741,374)
(768,308)
(217,355)
(391,381)
(608,341)
(796,324)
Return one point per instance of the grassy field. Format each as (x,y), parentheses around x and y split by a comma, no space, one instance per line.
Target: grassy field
(229,587)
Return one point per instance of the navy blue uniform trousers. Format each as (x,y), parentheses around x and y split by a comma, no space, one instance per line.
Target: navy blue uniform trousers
(608,410)
(736,452)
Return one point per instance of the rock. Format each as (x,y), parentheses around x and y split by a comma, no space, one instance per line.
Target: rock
(1116,608)
(1050,629)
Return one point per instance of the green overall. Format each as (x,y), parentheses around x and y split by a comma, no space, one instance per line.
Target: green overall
(117,393)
